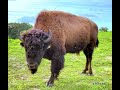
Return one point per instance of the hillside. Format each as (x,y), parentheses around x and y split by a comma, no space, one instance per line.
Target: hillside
(19,77)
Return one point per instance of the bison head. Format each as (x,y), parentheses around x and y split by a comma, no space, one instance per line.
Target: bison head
(35,43)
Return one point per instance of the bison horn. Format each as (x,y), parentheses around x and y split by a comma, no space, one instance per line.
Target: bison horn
(49,37)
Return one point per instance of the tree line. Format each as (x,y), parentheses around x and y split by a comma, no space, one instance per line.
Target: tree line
(14,29)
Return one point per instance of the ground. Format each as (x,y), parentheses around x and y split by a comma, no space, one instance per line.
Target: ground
(20,78)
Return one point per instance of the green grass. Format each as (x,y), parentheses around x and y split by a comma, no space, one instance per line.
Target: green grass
(70,78)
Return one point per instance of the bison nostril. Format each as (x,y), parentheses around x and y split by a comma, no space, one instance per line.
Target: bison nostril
(32,66)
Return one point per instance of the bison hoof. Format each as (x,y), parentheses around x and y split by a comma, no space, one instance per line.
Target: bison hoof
(83,72)
(90,74)
(50,84)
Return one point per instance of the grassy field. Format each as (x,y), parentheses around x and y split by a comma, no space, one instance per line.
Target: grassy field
(70,78)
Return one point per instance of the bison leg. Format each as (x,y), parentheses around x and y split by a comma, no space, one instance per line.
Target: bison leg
(57,63)
(86,66)
(88,53)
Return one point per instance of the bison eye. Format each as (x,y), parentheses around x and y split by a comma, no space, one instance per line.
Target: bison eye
(31,56)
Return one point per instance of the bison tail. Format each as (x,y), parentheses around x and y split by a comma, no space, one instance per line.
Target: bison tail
(97,42)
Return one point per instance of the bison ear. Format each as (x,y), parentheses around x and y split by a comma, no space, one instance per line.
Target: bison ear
(22,44)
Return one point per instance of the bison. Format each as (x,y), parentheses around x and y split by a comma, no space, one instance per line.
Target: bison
(56,33)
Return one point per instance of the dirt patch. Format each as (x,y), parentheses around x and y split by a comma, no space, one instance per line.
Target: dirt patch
(108,58)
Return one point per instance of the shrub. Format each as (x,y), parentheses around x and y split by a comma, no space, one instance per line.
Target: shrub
(103,29)
(14,29)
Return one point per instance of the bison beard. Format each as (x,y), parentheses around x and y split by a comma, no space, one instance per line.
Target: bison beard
(33,71)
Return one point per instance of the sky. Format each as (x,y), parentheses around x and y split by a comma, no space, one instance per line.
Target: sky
(99,11)
(21,5)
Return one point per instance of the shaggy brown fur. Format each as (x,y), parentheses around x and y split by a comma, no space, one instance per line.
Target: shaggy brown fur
(68,30)
(70,34)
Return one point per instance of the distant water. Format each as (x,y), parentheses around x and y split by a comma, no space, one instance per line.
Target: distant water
(100,11)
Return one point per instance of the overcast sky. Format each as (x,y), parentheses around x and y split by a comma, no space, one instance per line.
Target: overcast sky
(44,4)
(99,11)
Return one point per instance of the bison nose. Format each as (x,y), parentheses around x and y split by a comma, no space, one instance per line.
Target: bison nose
(32,66)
